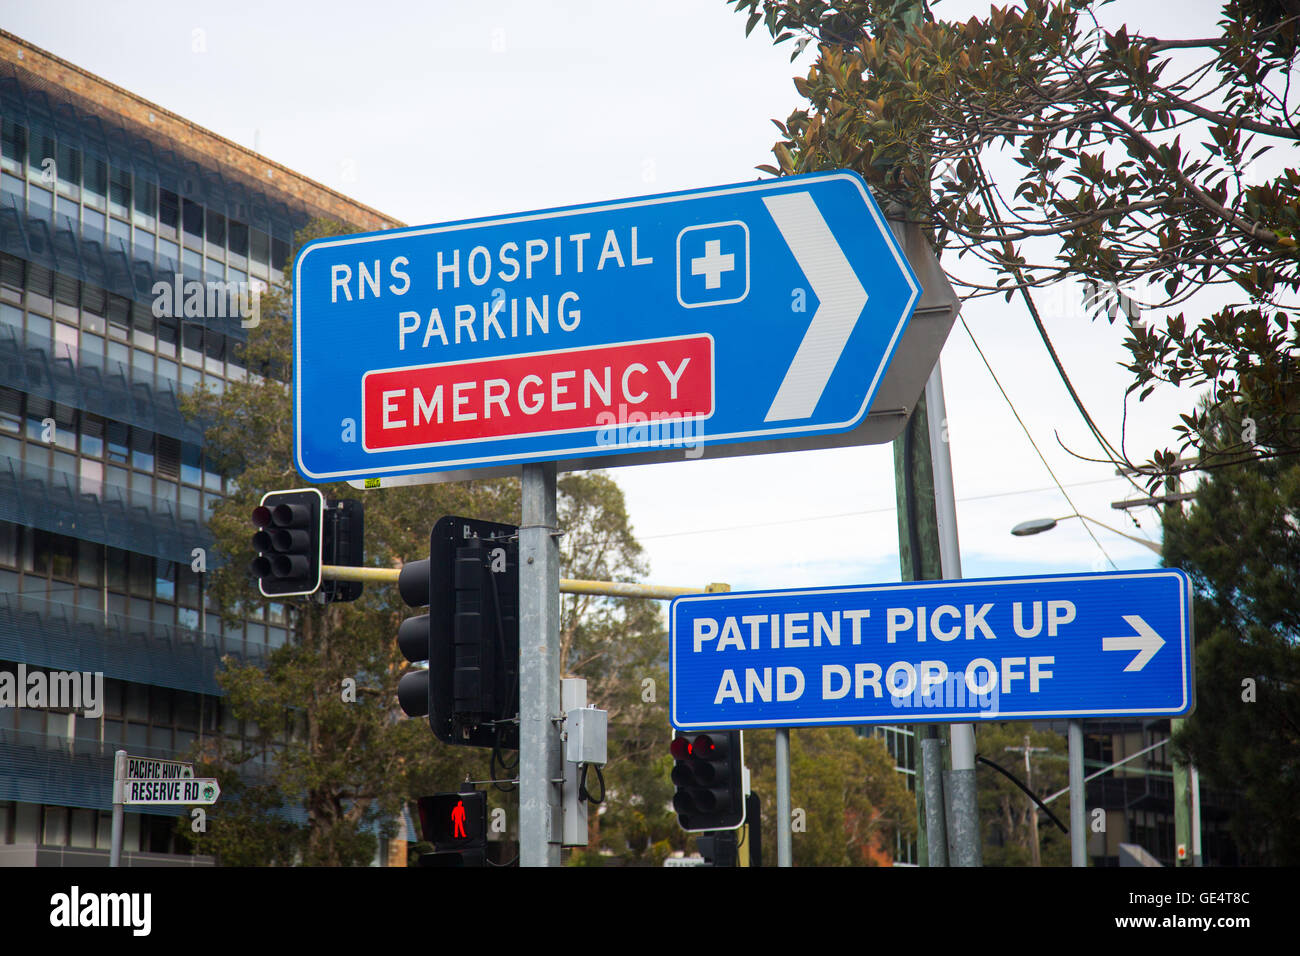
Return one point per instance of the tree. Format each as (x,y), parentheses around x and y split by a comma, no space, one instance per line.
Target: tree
(331,760)
(1008,838)
(1135,160)
(848,801)
(1240,542)
(326,737)
(620,647)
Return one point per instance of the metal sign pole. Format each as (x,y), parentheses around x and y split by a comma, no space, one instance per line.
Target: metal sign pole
(936,847)
(1078,828)
(784,847)
(119,819)
(540,769)
(963,824)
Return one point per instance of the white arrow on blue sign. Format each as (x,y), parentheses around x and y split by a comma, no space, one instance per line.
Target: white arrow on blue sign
(751,313)
(1027,648)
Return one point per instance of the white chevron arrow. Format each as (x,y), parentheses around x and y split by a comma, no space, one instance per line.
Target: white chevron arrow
(1146,642)
(840,301)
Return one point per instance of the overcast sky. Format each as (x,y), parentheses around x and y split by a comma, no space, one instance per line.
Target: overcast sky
(447,110)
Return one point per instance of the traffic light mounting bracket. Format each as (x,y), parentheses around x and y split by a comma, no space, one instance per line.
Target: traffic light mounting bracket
(343,544)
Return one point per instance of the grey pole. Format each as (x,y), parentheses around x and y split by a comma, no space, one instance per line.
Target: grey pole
(1196,816)
(784,847)
(932,783)
(919,559)
(959,788)
(119,819)
(540,768)
(1078,826)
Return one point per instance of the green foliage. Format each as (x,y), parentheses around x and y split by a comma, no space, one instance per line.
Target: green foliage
(248,825)
(635,826)
(1138,159)
(620,647)
(1005,809)
(336,767)
(1240,542)
(349,764)
(853,801)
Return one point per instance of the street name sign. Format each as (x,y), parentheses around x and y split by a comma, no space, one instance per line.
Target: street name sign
(186,790)
(146,768)
(1104,645)
(744,316)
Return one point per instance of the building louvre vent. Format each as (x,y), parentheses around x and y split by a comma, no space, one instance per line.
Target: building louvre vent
(94,299)
(169,457)
(39,279)
(118,309)
(65,289)
(11,272)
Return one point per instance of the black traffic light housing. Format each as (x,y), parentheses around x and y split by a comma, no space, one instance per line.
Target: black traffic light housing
(722,847)
(288,541)
(297,533)
(709,777)
(344,545)
(470,637)
(719,848)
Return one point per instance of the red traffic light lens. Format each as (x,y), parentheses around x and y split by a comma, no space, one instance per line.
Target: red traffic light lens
(703,747)
(681,748)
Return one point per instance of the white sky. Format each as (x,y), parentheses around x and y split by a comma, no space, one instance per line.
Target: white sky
(447,110)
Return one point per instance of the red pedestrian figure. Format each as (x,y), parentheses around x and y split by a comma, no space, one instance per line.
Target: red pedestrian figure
(458,820)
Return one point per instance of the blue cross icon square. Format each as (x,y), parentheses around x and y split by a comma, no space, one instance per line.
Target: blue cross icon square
(713,264)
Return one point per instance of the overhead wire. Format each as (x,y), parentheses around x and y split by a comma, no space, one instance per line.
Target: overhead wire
(869,511)
(1025,429)
(1117,457)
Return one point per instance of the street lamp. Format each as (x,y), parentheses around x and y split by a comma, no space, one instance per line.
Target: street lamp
(1039,525)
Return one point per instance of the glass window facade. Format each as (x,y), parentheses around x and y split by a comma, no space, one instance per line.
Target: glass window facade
(103,483)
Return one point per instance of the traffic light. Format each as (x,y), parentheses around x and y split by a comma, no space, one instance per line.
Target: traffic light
(720,848)
(741,847)
(456,825)
(344,545)
(470,636)
(288,541)
(415,689)
(710,780)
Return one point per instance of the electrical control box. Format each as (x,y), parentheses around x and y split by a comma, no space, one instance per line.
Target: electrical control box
(588,735)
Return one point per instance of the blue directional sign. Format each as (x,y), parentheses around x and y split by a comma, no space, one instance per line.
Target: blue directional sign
(1027,648)
(751,313)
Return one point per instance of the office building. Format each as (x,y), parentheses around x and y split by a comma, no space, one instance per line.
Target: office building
(104,485)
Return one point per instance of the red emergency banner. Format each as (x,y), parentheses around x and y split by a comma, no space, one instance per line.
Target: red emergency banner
(537,394)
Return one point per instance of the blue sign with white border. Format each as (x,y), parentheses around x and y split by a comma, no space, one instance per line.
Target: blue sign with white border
(1109,645)
(744,313)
